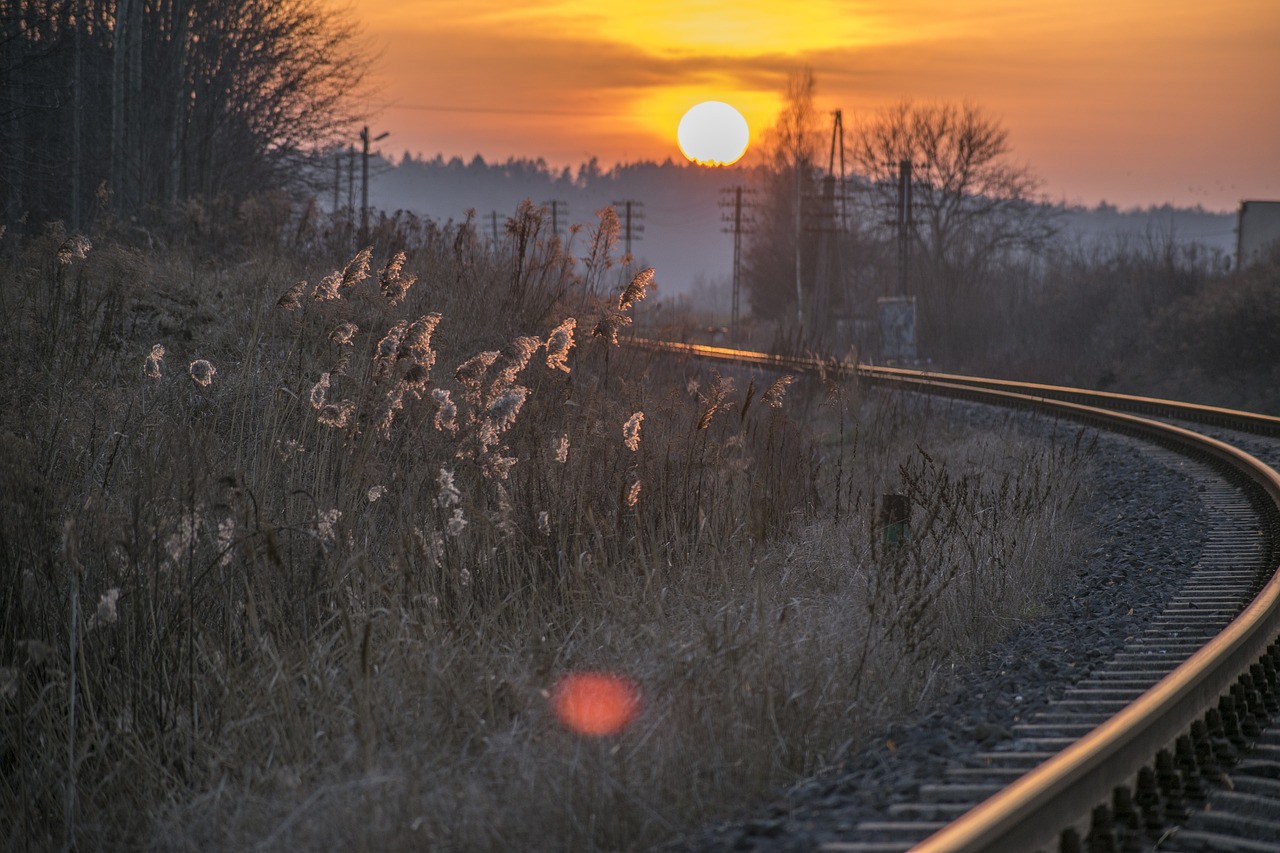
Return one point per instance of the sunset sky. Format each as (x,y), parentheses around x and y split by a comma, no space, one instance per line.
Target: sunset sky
(1135,102)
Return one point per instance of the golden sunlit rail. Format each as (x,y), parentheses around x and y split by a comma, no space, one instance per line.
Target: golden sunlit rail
(1048,804)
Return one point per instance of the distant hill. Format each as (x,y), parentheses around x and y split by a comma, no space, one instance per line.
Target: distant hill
(680,213)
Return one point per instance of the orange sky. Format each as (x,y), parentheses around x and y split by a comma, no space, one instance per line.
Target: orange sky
(1136,102)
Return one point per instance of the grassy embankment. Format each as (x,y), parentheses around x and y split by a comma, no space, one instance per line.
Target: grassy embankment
(304,579)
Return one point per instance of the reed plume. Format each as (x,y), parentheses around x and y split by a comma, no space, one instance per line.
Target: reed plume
(151,367)
(356,270)
(392,404)
(320,392)
(291,299)
(388,350)
(337,415)
(392,282)
(773,396)
(327,289)
(498,467)
(505,406)
(471,373)
(344,333)
(516,355)
(106,613)
(559,342)
(447,493)
(631,431)
(635,291)
(416,342)
(202,372)
(326,527)
(455,525)
(446,410)
(75,246)
(503,519)
(609,326)
(714,400)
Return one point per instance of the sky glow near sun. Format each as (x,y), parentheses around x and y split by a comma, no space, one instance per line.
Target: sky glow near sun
(1136,102)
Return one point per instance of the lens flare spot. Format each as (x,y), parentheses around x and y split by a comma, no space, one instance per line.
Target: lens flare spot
(595,703)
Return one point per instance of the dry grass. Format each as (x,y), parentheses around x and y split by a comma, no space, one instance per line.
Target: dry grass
(305,578)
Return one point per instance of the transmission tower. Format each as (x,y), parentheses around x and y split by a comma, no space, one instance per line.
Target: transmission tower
(365,139)
(837,138)
(904,223)
(740,220)
(558,209)
(337,181)
(351,185)
(631,218)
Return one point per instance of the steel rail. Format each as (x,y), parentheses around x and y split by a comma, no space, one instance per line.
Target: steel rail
(1032,812)
(1235,418)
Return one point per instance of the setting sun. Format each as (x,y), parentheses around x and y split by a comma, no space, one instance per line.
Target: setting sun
(713,134)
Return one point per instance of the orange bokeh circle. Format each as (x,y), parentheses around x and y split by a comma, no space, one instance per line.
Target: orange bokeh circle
(595,703)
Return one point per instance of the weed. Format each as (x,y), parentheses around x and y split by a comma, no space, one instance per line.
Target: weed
(319,596)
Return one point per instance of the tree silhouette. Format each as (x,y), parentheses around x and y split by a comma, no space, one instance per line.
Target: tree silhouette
(779,253)
(971,201)
(149,103)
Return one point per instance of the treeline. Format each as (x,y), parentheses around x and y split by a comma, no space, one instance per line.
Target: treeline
(135,106)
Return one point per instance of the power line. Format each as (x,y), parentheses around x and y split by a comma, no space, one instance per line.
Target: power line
(364,191)
(444,108)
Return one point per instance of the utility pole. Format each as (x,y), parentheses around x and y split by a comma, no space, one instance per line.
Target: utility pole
(741,225)
(827,297)
(77,119)
(337,180)
(351,185)
(493,225)
(898,313)
(799,204)
(837,135)
(364,192)
(557,207)
(904,223)
(631,227)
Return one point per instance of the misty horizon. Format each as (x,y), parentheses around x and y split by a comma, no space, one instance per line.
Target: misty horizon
(680,205)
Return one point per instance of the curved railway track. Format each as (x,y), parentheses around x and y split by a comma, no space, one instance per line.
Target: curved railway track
(1128,759)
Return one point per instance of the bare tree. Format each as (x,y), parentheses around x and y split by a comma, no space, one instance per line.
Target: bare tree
(972,203)
(779,253)
(160,101)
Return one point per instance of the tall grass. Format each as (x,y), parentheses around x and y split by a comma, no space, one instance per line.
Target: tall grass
(293,550)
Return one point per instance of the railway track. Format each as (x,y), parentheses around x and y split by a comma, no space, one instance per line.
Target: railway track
(1175,743)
